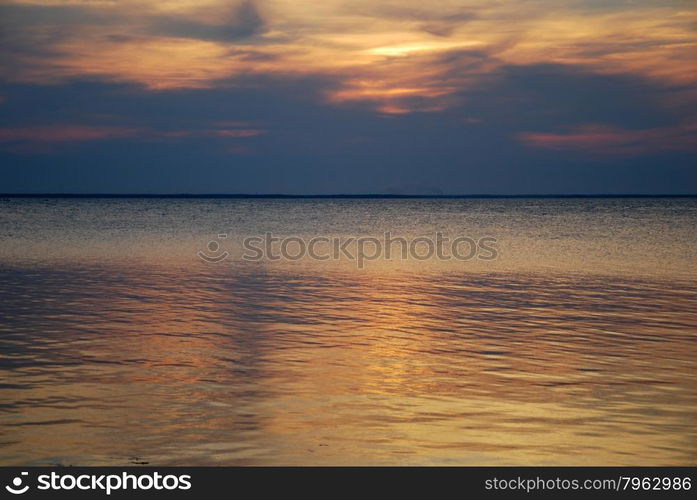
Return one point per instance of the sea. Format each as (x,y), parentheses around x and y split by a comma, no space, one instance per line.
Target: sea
(281,331)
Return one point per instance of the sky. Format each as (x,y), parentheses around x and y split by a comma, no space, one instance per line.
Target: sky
(348,96)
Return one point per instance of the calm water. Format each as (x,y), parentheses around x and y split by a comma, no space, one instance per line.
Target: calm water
(119,345)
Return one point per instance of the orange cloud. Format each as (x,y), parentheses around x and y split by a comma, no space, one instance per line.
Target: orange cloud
(603,139)
(18,138)
(64,133)
(224,133)
(240,133)
(374,50)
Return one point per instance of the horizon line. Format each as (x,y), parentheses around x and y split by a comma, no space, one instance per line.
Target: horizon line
(336,195)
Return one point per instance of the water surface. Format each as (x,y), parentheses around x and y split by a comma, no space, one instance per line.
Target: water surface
(577,345)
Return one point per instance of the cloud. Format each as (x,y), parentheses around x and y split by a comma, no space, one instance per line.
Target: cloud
(439,21)
(243,22)
(348,95)
(36,15)
(222,133)
(72,133)
(64,133)
(367,46)
(307,145)
(610,140)
(426,80)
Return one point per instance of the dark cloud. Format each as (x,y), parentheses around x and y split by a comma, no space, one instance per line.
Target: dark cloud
(438,23)
(29,33)
(310,146)
(12,16)
(243,22)
(446,25)
(560,95)
(252,55)
(396,11)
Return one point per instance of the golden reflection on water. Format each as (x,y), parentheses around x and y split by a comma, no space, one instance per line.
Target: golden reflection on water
(264,364)
(578,345)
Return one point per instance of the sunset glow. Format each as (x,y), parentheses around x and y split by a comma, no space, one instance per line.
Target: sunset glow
(532,76)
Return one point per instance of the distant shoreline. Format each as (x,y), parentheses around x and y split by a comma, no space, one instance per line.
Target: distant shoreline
(335,196)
